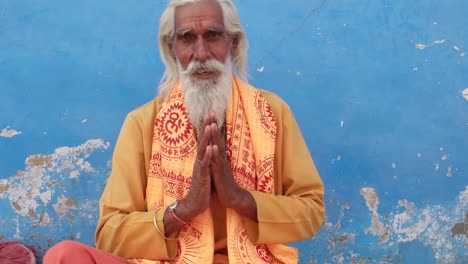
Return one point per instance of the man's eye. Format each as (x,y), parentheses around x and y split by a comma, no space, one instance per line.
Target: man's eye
(214,35)
(186,37)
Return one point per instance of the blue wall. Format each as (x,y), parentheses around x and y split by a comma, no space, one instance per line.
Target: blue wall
(379,89)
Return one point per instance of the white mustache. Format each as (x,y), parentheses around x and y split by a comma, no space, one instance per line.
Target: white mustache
(195,67)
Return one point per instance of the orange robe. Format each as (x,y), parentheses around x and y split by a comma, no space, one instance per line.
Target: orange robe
(126,228)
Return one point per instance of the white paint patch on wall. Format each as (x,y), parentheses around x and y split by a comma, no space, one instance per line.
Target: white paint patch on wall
(465,94)
(63,206)
(436,42)
(430,225)
(8,133)
(377,227)
(34,186)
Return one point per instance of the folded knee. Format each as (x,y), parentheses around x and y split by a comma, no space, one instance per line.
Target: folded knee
(64,251)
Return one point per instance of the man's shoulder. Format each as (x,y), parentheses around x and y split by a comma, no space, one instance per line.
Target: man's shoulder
(147,110)
(277,104)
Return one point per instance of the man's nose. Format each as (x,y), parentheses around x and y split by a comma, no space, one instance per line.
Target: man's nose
(201,50)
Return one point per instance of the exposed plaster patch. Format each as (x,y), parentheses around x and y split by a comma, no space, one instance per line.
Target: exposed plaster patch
(449,171)
(461,228)
(444,157)
(17,234)
(342,212)
(336,159)
(4,186)
(74,174)
(434,226)
(458,49)
(436,42)
(465,94)
(377,227)
(33,187)
(44,219)
(39,161)
(8,133)
(64,205)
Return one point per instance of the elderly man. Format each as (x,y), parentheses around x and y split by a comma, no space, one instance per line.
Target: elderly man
(211,171)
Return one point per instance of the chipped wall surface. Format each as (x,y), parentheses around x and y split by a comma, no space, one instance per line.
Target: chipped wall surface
(379,89)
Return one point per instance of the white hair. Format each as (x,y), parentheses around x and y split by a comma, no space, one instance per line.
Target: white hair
(205,96)
(233,27)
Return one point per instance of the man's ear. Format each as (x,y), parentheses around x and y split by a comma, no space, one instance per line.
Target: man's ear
(171,50)
(234,43)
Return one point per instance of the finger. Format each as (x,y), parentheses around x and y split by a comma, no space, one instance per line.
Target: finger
(205,162)
(203,141)
(217,164)
(216,137)
(219,177)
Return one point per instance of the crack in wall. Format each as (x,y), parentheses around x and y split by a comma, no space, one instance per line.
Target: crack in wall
(298,28)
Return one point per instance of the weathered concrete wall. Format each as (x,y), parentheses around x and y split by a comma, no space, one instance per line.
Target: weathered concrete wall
(379,88)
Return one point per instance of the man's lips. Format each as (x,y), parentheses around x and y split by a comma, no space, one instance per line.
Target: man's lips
(204,74)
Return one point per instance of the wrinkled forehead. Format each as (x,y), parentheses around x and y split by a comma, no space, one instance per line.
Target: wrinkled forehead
(192,13)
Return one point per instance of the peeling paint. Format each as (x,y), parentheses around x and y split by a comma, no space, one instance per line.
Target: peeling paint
(436,42)
(84,120)
(4,186)
(342,212)
(465,94)
(39,161)
(8,133)
(32,187)
(372,202)
(32,213)
(62,207)
(449,171)
(460,228)
(433,226)
(44,219)
(261,69)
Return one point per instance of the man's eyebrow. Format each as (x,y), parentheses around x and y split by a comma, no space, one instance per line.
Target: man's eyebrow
(183,32)
(215,29)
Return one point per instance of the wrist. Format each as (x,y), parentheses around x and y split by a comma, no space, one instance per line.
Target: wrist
(185,211)
(240,200)
(246,205)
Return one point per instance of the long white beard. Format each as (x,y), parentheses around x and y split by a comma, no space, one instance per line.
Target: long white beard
(203,96)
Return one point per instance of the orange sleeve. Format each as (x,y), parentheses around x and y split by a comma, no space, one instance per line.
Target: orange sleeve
(296,210)
(125,228)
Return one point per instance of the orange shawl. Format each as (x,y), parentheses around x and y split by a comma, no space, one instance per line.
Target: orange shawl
(251,132)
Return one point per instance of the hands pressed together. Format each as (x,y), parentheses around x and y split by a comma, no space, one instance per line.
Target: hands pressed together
(211,179)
